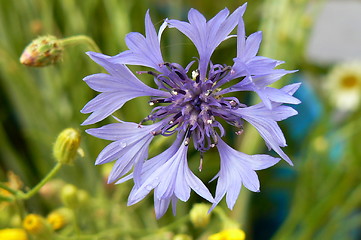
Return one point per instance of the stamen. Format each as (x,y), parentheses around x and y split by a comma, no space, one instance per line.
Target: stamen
(195,74)
(176,91)
(154,133)
(201,162)
(152,102)
(239,132)
(208,92)
(181,76)
(233,103)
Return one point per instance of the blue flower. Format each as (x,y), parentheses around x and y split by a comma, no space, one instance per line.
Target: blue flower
(191,105)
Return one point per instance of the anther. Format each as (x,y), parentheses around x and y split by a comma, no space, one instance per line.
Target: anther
(201,163)
(239,132)
(154,133)
(195,74)
(181,76)
(209,121)
(208,92)
(233,103)
(176,91)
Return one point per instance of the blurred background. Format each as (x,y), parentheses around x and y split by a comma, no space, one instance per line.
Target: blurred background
(318,198)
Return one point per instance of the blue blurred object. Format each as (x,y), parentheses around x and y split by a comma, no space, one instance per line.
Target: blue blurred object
(309,111)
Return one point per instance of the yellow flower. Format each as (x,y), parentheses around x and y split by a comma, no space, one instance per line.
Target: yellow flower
(13,234)
(228,234)
(343,85)
(59,218)
(36,225)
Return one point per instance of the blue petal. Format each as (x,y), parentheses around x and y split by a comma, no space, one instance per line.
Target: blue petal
(206,36)
(144,51)
(238,169)
(268,129)
(117,88)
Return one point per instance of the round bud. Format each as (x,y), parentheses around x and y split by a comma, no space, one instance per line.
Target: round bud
(199,215)
(66,146)
(42,51)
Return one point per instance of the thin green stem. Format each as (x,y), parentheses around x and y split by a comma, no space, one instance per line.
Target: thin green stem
(318,214)
(7,188)
(35,189)
(6,199)
(348,206)
(174,224)
(226,221)
(81,39)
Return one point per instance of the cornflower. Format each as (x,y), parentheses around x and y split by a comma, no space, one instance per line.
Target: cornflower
(191,105)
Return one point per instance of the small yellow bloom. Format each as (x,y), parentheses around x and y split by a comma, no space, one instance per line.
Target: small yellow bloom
(35,225)
(13,234)
(229,234)
(59,218)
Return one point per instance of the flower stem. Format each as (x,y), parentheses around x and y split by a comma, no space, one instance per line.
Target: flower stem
(174,224)
(7,188)
(81,39)
(6,199)
(35,189)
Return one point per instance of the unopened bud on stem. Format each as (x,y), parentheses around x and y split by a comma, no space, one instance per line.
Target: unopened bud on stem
(66,146)
(42,51)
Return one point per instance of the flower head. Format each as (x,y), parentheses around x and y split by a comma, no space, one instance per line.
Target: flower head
(190,104)
(229,234)
(13,234)
(344,85)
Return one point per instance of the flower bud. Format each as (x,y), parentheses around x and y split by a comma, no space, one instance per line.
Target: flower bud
(228,234)
(59,218)
(42,51)
(66,146)
(72,197)
(50,191)
(69,196)
(37,226)
(83,197)
(199,215)
(13,234)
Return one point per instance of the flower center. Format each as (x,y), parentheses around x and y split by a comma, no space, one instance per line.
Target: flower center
(349,82)
(193,106)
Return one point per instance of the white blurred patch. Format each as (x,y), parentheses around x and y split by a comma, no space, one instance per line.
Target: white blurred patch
(336,35)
